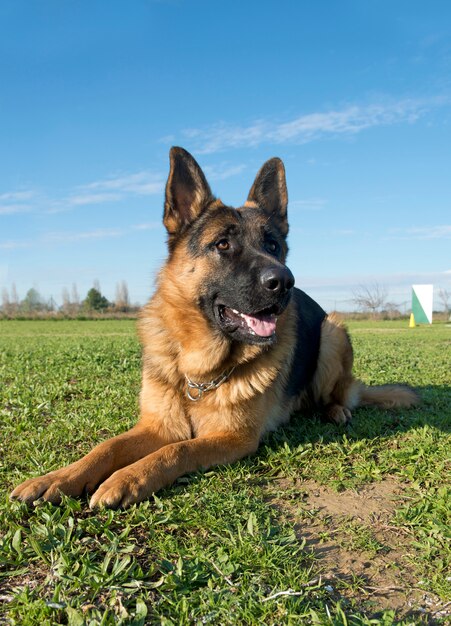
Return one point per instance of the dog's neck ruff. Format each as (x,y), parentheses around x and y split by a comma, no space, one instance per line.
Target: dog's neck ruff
(195,391)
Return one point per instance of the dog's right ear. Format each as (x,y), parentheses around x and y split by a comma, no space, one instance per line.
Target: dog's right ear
(187,192)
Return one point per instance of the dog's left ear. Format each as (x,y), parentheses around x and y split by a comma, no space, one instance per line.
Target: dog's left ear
(269,191)
(187,192)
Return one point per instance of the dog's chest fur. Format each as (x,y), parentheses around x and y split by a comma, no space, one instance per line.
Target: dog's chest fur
(264,386)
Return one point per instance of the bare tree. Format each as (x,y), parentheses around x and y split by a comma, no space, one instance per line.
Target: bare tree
(66,306)
(370,298)
(391,310)
(10,301)
(75,298)
(445,296)
(14,300)
(51,305)
(6,304)
(71,303)
(122,298)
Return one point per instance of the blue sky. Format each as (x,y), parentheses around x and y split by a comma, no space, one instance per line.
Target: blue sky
(355,97)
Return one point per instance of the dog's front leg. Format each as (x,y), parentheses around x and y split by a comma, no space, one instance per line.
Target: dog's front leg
(87,473)
(138,481)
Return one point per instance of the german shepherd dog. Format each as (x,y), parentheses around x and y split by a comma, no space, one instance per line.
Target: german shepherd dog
(230,348)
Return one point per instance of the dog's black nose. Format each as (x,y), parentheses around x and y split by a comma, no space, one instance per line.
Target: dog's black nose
(277,279)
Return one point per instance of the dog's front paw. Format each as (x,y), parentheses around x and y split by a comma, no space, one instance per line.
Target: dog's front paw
(50,487)
(121,489)
(339,414)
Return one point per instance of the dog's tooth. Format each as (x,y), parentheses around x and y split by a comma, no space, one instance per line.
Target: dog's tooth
(236,312)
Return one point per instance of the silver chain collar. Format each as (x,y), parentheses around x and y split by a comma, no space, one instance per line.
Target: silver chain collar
(201,388)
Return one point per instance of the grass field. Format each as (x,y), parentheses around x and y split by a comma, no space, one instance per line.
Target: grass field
(324,525)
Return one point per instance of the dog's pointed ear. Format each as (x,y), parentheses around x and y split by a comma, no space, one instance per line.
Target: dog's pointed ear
(269,191)
(187,192)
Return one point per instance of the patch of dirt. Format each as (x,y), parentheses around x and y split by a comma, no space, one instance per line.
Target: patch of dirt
(32,578)
(375,499)
(362,556)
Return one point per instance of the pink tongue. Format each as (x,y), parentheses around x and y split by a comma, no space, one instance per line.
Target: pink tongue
(263,326)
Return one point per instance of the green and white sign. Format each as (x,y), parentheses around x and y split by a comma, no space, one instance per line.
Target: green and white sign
(422,303)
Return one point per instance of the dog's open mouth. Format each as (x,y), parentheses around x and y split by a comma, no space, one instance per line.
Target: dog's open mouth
(260,325)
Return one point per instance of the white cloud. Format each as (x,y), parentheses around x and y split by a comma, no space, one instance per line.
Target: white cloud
(12,209)
(91,198)
(345,232)
(141,183)
(68,237)
(14,245)
(147,226)
(431,232)
(110,189)
(101,233)
(309,204)
(222,171)
(348,120)
(167,139)
(15,196)
(442,231)
(13,202)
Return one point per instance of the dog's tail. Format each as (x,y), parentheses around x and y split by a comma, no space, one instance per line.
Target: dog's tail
(387,396)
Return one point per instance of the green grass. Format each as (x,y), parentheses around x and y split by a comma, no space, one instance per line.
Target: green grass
(216,547)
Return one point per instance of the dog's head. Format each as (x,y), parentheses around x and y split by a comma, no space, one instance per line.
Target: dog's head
(231,261)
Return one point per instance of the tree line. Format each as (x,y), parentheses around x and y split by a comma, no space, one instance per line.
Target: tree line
(94,304)
(369,300)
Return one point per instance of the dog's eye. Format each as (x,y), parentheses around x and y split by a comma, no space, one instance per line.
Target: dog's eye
(272,246)
(223,244)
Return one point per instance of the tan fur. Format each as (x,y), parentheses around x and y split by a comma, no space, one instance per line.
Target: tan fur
(387,396)
(334,385)
(175,435)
